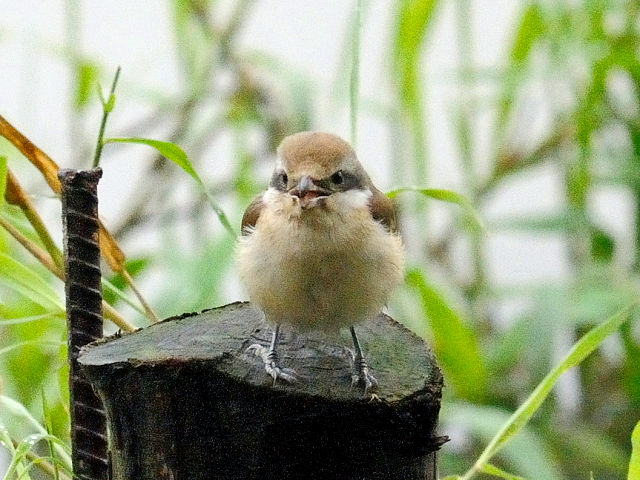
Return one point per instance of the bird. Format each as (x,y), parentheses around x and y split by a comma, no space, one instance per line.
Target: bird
(320,248)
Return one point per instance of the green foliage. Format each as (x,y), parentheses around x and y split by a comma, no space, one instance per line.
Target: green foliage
(577,52)
(29,283)
(87,74)
(521,416)
(414,18)
(496,472)
(454,342)
(3,178)
(634,464)
(13,410)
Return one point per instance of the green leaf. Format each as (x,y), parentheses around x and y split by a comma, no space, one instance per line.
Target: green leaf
(531,28)
(455,344)
(174,153)
(108,107)
(23,449)
(603,245)
(528,454)
(414,19)
(533,223)
(167,149)
(87,73)
(30,318)
(5,438)
(581,349)
(28,283)
(445,196)
(48,424)
(496,472)
(634,463)
(17,345)
(3,179)
(113,288)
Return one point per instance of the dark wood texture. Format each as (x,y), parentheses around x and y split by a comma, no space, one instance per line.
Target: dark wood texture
(184,400)
(84,318)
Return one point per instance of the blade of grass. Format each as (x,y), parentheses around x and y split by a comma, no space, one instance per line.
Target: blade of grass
(587,344)
(18,345)
(414,19)
(7,442)
(43,257)
(634,463)
(17,410)
(454,342)
(445,196)
(3,179)
(174,153)
(109,311)
(108,246)
(528,453)
(24,448)
(107,285)
(30,318)
(40,160)
(496,472)
(49,428)
(107,107)
(87,73)
(17,196)
(28,283)
(530,29)
(46,464)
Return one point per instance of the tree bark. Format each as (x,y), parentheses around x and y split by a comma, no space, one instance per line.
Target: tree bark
(184,400)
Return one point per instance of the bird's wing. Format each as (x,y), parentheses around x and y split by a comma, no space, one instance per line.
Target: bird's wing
(251,215)
(382,210)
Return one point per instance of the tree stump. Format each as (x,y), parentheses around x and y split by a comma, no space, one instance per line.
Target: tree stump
(184,400)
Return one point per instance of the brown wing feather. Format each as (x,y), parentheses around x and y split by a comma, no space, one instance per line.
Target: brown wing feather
(251,214)
(382,210)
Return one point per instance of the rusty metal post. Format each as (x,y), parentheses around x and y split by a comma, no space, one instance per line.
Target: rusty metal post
(84,318)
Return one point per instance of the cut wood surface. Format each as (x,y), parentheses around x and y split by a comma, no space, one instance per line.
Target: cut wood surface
(185,400)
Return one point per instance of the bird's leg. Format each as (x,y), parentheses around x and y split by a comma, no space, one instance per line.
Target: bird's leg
(361,375)
(271,360)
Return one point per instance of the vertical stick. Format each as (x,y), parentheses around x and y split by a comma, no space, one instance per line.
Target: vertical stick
(84,318)
(354,83)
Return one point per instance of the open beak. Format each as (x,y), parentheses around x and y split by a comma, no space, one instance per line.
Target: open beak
(308,192)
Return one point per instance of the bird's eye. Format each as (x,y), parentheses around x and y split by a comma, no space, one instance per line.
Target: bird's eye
(279,180)
(338,177)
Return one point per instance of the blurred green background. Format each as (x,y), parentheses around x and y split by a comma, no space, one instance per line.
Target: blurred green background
(531,110)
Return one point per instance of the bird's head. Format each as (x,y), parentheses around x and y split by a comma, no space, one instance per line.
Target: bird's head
(312,166)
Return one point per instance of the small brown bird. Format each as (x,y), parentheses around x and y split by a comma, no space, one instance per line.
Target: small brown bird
(319,249)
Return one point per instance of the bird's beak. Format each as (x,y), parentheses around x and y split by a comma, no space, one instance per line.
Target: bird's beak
(308,192)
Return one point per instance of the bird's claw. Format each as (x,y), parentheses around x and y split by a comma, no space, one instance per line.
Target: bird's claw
(277,372)
(362,377)
(366,380)
(272,364)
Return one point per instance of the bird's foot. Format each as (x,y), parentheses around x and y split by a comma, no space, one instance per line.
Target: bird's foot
(362,376)
(272,364)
